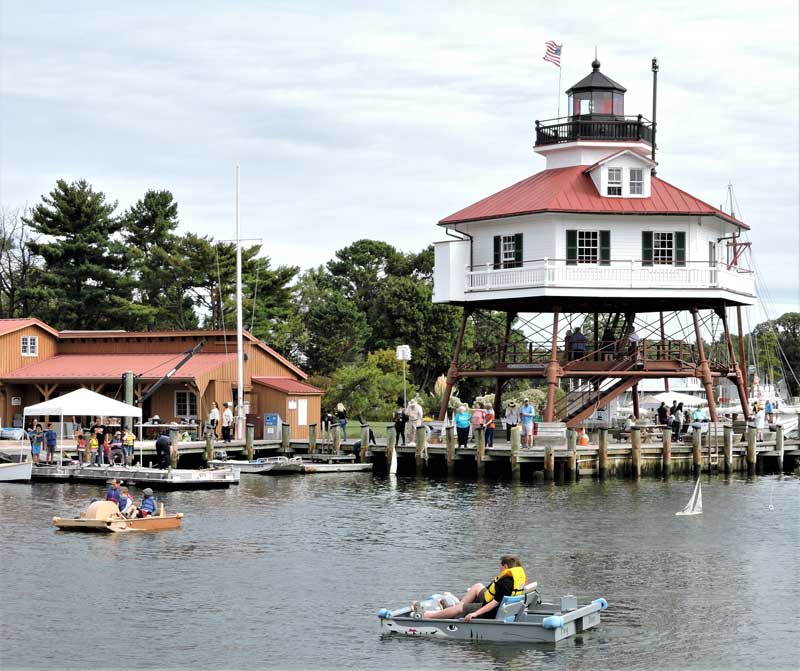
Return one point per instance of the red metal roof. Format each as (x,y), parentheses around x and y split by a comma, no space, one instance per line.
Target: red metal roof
(112,366)
(287,385)
(9,325)
(570,190)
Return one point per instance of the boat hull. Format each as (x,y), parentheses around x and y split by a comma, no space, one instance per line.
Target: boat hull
(114,525)
(16,472)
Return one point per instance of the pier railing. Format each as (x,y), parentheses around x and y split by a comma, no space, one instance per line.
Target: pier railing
(572,129)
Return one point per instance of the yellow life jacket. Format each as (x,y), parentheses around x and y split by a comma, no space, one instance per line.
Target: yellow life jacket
(128,439)
(520,580)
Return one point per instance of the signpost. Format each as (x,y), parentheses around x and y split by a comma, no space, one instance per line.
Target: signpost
(403,353)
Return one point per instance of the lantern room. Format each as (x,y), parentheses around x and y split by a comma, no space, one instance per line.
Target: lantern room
(596,95)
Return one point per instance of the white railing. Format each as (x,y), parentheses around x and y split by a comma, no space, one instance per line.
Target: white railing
(620,274)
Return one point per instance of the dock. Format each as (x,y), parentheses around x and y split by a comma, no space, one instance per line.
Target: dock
(156,478)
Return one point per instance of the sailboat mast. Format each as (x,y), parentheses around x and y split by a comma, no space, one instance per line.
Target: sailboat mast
(239,339)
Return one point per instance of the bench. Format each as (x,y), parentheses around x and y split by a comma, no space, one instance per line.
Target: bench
(511,606)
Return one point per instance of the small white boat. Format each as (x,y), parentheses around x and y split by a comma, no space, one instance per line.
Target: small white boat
(16,471)
(695,505)
(259,466)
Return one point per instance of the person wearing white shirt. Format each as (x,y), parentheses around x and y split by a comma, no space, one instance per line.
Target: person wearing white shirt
(213,418)
(227,422)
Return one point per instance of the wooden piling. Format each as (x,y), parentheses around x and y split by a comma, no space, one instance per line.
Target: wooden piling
(480,450)
(666,452)
(727,448)
(336,437)
(572,455)
(209,446)
(173,451)
(751,451)
(636,452)
(516,470)
(312,438)
(602,454)
(362,455)
(421,450)
(249,436)
(450,440)
(285,437)
(697,451)
(549,462)
(779,446)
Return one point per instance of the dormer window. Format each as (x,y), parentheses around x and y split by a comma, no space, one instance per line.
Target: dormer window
(30,346)
(614,182)
(637,181)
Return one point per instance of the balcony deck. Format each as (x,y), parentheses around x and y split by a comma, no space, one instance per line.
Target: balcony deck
(573,129)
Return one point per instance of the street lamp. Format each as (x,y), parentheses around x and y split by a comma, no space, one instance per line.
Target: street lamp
(403,353)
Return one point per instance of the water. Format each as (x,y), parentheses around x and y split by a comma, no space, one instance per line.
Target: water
(288,573)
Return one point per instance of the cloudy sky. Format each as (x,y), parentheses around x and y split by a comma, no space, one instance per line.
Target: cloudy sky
(357,119)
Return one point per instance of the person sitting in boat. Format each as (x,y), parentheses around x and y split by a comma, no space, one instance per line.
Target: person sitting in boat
(112,493)
(126,505)
(482,602)
(148,506)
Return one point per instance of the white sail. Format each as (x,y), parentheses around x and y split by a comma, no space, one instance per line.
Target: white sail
(695,505)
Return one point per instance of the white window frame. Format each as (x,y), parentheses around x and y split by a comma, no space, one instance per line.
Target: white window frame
(29,345)
(614,187)
(636,185)
(187,402)
(508,251)
(588,247)
(663,248)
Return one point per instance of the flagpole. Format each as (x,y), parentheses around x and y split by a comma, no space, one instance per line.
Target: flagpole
(558,93)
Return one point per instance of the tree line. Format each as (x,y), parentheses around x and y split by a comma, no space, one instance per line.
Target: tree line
(76,262)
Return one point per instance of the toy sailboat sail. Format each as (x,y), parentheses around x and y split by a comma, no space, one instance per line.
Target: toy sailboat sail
(393,462)
(695,505)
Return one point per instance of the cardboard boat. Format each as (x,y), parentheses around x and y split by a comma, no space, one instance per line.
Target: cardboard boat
(104,517)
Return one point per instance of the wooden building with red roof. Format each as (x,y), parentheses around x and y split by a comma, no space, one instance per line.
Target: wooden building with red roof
(38,363)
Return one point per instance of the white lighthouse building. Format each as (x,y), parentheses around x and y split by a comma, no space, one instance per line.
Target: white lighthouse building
(596,234)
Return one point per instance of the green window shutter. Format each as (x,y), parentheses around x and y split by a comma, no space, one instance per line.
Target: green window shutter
(647,248)
(498,244)
(605,248)
(518,249)
(572,248)
(680,249)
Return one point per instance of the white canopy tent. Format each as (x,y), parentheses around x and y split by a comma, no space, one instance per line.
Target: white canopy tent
(669,396)
(81,402)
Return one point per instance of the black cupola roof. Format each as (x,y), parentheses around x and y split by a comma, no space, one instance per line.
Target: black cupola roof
(596,81)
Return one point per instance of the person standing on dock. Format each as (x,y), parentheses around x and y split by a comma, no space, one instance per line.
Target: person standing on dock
(478,419)
(163,446)
(341,416)
(227,422)
(489,425)
(512,418)
(213,418)
(50,440)
(577,345)
(462,420)
(414,412)
(400,418)
(526,415)
(36,436)
(663,413)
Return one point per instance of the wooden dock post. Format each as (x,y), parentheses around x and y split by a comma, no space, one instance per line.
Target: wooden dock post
(362,455)
(636,452)
(666,452)
(572,455)
(336,437)
(450,440)
(697,451)
(173,451)
(549,462)
(779,446)
(516,470)
(727,448)
(312,438)
(391,444)
(480,450)
(249,436)
(285,437)
(602,454)
(209,446)
(751,451)
(421,450)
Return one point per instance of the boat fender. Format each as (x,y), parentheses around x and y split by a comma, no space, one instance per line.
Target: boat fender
(553,622)
(384,613)
(601,602)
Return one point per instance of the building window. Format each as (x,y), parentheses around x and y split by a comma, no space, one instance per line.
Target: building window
(185,404)
(30,346)
(637,182)
(508,251)
(615,181)
(588,247)
(663,248)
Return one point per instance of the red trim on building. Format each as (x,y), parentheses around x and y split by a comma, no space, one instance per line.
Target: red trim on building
(11,325)
(288,386)
(571,190)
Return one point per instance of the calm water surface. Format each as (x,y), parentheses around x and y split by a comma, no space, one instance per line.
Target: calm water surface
(288,573)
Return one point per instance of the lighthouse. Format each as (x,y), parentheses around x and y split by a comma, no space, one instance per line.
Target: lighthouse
(595,243)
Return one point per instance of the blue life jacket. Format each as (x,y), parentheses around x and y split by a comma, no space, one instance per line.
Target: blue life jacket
(123,501)
(148,504)
(112,494)
(51,437)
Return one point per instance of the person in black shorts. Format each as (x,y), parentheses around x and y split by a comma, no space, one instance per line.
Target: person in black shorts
(482,602)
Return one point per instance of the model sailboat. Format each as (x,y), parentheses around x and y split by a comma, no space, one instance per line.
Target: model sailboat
(695,505)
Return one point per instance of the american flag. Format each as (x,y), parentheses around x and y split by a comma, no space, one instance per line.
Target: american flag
(553,52)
